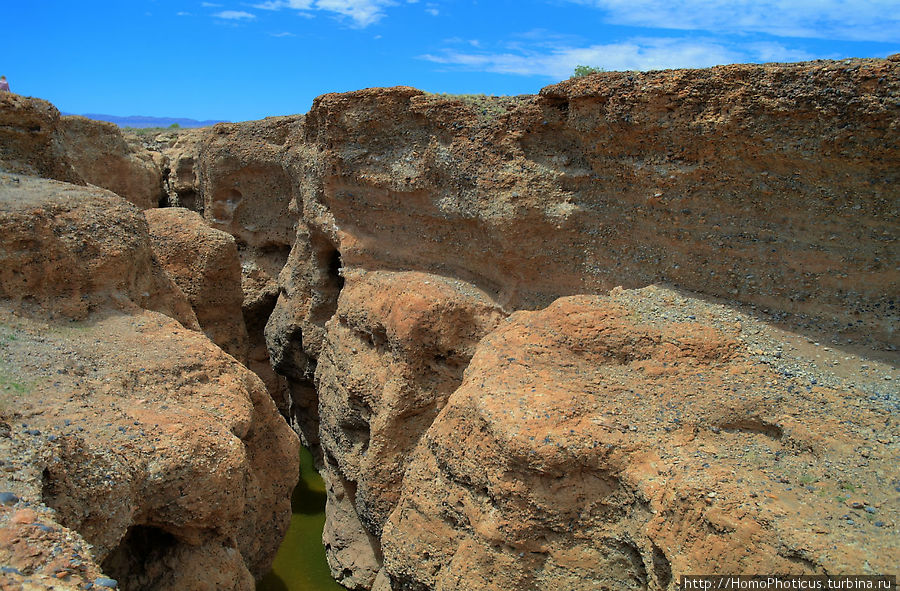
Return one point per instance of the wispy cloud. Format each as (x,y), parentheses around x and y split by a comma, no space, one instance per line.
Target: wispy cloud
(235,15)
(279,4)
(282,34)
(776,52)
(634,54)
(860,20)
(210,5)
(361,13)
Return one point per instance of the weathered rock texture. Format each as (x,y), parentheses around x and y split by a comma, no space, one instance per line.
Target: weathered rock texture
(160,450)
(72,250)
(29,141)
(204,264)
(100,154)
(387,232)
(766,185)
(179,153)
(772,186)
(36,140)
(236,177)
(616,443)
(393,353)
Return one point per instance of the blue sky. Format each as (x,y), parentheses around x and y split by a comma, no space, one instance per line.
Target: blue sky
(239,60)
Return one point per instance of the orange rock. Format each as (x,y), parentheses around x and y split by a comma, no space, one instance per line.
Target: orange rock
(24,516)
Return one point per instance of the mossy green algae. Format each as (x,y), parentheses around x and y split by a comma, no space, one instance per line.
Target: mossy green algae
(300,563)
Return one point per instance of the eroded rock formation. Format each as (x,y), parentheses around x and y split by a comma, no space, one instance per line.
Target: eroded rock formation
(425,286)
(769,186)
(70,251)
(393,353)
(204,264)
(36,140)
(617,442)
(29,139)
(102,156)
(160,450)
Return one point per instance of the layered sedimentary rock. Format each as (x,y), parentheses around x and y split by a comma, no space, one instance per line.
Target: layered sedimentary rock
(618,442)
(29,139)
(179,153)
(245,190)
(770,186)
(762,184)
(601,442)
(146,440)
(71,250)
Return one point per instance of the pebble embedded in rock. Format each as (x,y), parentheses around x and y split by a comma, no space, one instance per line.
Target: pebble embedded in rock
(106,582)
(8,499)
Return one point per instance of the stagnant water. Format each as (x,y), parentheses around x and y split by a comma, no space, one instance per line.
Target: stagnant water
(300,564)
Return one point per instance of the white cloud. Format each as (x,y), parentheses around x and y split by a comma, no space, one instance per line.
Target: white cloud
(776,52)
(635,54)
(235,15)
(361,12)
(279,4)
(283,34)
(210,5)
(433,11)
(853,20)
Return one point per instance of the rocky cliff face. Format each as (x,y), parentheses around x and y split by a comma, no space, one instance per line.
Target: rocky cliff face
(36,140)
(770,186)
(124,427)
(426,290)
(618,442)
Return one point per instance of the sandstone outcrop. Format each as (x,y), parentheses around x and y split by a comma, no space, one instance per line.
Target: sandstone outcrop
(392,354)
(101,155)
(618,442)
(72,250)
(179,154)
(37,141)
(161,451)
(29,142)
(245,190)
(593,439)
(771,186)
(204,264)
(768,185)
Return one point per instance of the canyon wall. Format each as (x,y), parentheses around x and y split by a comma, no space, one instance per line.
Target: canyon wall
(766,186)
(570,340)
(124,426)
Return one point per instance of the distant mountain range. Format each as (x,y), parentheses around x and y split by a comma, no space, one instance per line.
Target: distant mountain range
(142,121)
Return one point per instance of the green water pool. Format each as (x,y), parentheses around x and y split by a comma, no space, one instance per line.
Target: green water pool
(300,564)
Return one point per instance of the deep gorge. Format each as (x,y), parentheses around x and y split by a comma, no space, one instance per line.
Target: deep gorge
(637,326)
